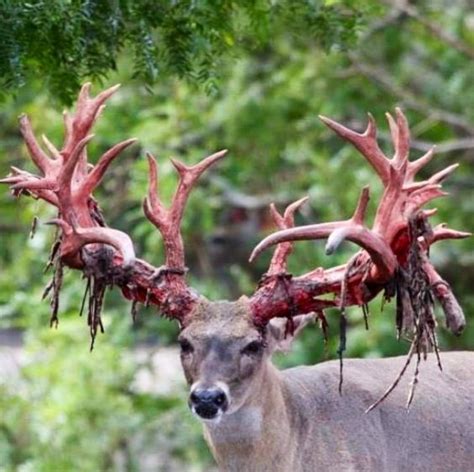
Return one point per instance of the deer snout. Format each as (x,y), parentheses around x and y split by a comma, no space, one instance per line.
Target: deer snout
(208,403)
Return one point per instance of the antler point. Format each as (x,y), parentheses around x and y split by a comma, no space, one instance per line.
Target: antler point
(327,121)
(85,89)
(253,256)
(178,165)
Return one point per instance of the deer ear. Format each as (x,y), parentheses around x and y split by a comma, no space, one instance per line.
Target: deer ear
(279,340)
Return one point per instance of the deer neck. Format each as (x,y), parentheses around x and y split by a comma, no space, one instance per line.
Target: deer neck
(256,436)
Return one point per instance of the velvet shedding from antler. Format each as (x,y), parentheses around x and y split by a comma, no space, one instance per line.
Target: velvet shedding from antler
(106,256)
(400,228)
(393,257)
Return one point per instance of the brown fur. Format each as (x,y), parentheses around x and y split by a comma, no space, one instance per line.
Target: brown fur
(296,421)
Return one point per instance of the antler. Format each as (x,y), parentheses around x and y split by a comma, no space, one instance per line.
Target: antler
(106,255)
(167,221)
(399,231)
(67,180)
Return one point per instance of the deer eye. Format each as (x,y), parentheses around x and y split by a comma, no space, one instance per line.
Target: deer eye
(252,348)
(186,346)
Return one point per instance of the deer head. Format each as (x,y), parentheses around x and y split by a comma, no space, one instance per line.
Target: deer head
(225,355)
(225,346)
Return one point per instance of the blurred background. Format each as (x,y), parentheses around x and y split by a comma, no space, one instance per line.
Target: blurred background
(197,77)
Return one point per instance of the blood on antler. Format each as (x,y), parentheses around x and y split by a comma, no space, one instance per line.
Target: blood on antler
(393,258)
(105,255)
(67,180)
(394,250)
(167,221)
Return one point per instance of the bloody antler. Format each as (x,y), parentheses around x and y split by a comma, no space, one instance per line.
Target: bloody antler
(67,181)
(105,255)
(285,221)
(398,240)
(168,221)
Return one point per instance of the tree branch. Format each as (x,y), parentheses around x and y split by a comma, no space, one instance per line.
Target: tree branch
(409,100)
(436,30)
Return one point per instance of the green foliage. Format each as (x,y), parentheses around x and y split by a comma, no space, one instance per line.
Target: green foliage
(73,410)
(265,112)
(65,42)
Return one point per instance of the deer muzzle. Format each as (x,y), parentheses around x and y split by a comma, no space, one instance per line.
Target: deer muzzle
(209,403)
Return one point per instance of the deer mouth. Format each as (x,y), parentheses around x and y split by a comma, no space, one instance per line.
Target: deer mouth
(207,413)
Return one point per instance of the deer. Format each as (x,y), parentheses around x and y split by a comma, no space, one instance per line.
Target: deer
(256,417)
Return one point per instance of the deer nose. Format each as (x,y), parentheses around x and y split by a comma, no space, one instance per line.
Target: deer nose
(208,402)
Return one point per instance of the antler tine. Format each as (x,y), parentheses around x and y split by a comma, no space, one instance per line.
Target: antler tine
(188,176)
(70,166)
(361,209)
(152,206)
(38,156)
(341,233)
(366,143)
(400,133)
(443,174)
(20,180)
(415,166)
(421,197)
(97,173)
(87,111)
(158,214)
(279,260)
(55,154)
(168,221)
(336,232)
(437,178)
(442,232)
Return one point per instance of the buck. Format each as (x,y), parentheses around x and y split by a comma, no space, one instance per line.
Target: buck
(255,417)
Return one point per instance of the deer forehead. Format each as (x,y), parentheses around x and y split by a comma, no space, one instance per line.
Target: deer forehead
(222,320)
